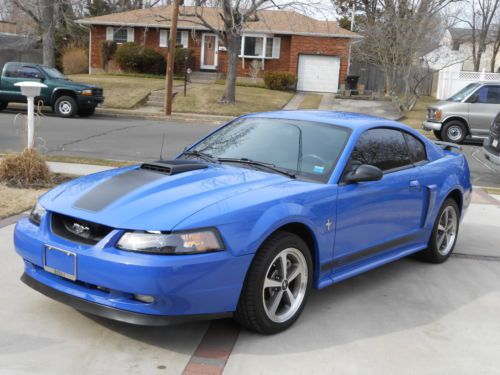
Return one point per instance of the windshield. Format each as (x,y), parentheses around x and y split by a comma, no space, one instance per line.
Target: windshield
(53,73)
(304,148)
(465,92)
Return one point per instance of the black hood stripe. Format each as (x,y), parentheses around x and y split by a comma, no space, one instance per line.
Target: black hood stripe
(118,186)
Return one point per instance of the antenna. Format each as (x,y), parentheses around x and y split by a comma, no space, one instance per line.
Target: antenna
(162,143)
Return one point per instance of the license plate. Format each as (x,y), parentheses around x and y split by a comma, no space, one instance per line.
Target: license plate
(495,143)
(59,262)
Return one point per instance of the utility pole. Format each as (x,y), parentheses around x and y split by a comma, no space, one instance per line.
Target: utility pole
(170,58)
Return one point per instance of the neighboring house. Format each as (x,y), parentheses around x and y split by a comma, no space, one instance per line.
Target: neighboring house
(17,47)
(316,51)
(455,52)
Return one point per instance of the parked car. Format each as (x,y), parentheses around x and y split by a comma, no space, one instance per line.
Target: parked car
(67,98)
(467,113)
(492,143)
(236,226)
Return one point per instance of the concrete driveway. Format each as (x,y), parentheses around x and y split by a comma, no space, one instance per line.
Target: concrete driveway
(404,318)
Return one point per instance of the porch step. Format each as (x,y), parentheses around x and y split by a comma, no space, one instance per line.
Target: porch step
(157,98)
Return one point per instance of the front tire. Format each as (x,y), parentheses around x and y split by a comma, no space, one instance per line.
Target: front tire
(66,107)
(444,234)
(3,105)
(277,285)
(437,134)
(454,132)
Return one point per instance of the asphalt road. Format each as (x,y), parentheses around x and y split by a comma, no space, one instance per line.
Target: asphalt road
(140,140)
(103,137)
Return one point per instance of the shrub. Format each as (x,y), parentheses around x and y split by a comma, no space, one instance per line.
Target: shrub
(75,61)
(279,80)
(134,58)
(180,60)
(25,169)
(108,50)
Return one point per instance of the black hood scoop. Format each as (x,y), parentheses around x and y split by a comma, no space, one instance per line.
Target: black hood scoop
(171,167)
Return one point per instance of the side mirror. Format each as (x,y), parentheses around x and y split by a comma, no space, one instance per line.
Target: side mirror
(364,173)
(473,98)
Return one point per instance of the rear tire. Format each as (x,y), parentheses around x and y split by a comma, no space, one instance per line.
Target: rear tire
(454,131)
(66,107)
(444,234)
(277,285)
(437,134)
(3,105)
(86,112)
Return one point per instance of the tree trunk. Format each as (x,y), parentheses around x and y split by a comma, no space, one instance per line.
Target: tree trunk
(229,96)
(48,27)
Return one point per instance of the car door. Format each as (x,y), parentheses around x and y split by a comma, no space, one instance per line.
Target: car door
(376,216)
(484,105)
(19,73)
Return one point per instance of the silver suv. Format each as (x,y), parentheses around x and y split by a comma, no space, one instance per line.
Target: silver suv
(467,113)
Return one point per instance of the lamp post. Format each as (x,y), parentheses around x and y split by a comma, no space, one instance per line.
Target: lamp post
(30,89)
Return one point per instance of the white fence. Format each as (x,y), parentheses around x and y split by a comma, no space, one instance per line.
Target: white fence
(451,82)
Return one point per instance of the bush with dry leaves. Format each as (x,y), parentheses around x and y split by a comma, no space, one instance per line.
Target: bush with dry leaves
(27,169)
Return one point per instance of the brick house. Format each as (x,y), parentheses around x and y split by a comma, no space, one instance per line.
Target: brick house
(316,51)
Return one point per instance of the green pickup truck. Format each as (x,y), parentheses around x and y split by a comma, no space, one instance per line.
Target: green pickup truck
(67,98)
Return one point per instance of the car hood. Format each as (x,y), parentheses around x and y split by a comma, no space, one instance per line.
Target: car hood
(443,104)
(134,198)
(72,84)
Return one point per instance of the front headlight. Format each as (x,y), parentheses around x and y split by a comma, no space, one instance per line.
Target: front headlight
(87,92)
(37,213)
(153,242)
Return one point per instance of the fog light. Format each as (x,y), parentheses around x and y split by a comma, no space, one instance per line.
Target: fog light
(144,298)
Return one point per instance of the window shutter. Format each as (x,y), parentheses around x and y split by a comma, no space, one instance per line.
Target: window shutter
(185,39)
(110,33)
(163,38)
(130,34)
(276,47)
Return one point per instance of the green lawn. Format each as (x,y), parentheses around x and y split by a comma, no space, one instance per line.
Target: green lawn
(311,101)
(204,98)
(123,91)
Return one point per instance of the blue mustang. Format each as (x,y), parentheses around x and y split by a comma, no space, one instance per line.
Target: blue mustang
(246,221)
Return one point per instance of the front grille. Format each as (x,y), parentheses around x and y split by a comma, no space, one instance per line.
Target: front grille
(78,230)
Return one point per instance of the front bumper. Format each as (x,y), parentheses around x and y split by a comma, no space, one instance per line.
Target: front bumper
(113,313)
(429,125)
(86,102)
(181,286)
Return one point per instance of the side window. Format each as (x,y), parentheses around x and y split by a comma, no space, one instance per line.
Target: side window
(120,35)
(488,95)
(12,71)
(383,148)
(416,148)
(29,72)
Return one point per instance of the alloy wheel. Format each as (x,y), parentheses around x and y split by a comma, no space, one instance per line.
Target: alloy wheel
(454,133)
(285,285)
(447,231)
(65,107)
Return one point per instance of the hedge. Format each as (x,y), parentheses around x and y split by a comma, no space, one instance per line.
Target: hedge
(280,80)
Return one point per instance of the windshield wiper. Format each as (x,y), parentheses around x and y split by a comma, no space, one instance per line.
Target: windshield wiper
(201,155)
(261,164)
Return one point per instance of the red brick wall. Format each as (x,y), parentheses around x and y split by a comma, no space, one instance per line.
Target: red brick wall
(291,47)
(320,46)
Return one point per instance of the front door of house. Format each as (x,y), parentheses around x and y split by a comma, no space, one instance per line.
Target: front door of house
(209,54)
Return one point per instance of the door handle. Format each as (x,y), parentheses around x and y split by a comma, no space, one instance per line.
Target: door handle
(415,184)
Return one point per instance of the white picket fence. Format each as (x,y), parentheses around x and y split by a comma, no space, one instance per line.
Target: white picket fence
(450,81)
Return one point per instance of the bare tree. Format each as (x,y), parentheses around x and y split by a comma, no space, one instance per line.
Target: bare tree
(495,48)
(401,34)
(479,16)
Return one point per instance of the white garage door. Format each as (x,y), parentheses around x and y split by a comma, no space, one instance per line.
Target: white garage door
(318,73)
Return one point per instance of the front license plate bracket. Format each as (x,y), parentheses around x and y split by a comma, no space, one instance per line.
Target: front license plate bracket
(59,262)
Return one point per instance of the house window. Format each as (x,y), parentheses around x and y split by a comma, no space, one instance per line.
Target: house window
(181,38)
(266,47)
(120,35)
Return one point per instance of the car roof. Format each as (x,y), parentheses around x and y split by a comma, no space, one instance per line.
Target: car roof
(354,121)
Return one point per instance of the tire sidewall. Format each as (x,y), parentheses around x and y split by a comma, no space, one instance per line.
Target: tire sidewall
(69,100)
(434,255)
(286,240)
(454,124)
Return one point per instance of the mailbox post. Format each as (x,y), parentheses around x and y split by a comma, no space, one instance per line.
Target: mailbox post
(30,89)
